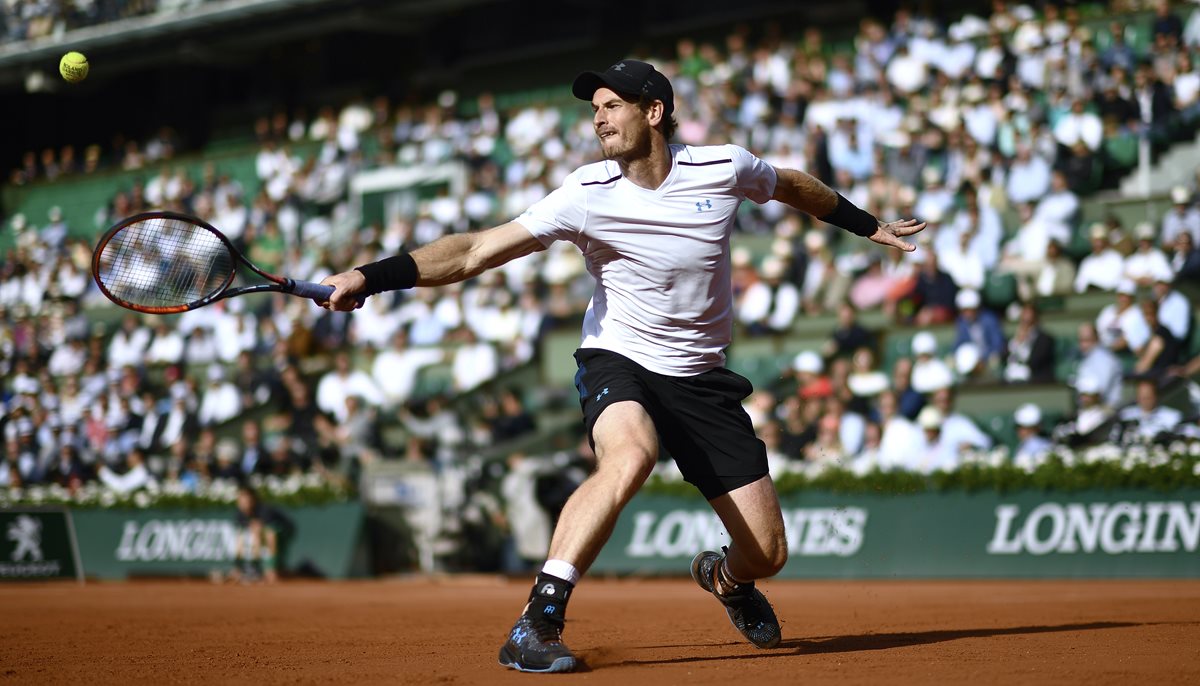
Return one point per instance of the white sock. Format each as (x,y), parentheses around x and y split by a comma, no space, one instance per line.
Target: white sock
(563,570)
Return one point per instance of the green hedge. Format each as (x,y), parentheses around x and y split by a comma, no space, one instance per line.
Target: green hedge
(1156,468)
(295,491)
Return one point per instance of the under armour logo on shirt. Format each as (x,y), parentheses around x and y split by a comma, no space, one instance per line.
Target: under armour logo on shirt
(706,205)
(601,394)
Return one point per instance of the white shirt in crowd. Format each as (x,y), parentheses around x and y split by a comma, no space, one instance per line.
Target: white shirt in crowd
(1103,271)
(395,371)
(774,305)
(1112,324)
(1176,222)
(334,388)
(1175,313)
(220,403)
(1150,424)
(474,363)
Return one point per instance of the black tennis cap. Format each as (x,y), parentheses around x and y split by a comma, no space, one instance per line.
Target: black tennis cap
(628,77)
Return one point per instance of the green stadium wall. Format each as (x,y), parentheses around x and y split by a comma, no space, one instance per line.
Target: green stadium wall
(328,541)
(1029,534)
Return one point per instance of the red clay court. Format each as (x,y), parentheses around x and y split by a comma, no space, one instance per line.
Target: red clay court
(628,632)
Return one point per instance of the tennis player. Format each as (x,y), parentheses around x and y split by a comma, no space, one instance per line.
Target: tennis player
(653,222)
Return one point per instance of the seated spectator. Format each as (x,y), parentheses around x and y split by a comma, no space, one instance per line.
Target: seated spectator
(395,369)
(1183,217)
(1162,351)
(1092,415)
(958,430)
(136,476)
(980,326)
(221,401)
(1174,309)
(1147,261)
(811,382)
(1097,363)
(865,380)
(343,381)
(128,344)
(933,293)
(909,402)
(1026,254)
(1028,178)
(1121,326)
(933,453)
(1185,257)
(166,346)
(1032,447)
(962,260)
(1147,420)
(1103,268)
(826,450)
(771,304)
(848,336)
(929,373)
(1030,351)
(475,362)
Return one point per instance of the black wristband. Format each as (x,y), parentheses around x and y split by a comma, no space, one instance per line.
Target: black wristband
(393,273)
(851,218)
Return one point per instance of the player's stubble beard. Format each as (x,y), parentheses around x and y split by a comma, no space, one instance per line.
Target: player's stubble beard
(631,146)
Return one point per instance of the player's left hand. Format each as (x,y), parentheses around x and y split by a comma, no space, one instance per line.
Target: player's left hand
(890,233)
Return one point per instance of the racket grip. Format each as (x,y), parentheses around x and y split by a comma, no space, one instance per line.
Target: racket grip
(308,289)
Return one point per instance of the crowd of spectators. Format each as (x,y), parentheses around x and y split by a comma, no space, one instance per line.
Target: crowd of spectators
(33,19)
(990,129)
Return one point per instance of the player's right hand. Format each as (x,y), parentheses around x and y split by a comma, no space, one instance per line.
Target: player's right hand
(349,288)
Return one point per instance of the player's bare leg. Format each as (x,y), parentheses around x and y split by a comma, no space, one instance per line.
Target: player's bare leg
(758,550)
(626,451)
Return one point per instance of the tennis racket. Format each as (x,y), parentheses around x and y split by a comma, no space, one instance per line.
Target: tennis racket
(166,262)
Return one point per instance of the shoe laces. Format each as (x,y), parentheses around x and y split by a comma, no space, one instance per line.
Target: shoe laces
(546,630)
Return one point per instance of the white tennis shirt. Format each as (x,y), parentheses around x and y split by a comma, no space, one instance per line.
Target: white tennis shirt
(660,257)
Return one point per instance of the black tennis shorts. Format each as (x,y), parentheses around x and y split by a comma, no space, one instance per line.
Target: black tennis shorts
(700,419)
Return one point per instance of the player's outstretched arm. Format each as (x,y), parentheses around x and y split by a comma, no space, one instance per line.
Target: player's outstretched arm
(449,259)
(807,194)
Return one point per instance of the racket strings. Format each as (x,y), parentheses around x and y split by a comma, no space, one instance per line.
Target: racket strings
(162,262)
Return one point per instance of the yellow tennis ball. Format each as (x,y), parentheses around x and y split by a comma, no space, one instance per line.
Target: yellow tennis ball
(73,66)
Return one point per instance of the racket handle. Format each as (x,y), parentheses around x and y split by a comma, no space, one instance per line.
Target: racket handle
(308,289)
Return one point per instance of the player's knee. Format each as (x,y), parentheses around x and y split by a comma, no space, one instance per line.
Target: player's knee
(777,557)
(629,468)
(769,558)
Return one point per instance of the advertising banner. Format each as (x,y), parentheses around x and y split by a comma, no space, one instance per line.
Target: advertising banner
(949,535)
(38,544)
(322,541)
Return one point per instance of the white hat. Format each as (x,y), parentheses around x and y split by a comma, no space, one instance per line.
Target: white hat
(741,256)
(933,215)
(1098,230)
(931,175)
(1180,195)
(1089,385)
(967,299)
(1028,415)
(906,195)
(930,417)
(867,384)
(782,247)
(772,268)
(924,344)
(1127,287)
(966,358)
(1144,231)
(814,241)
(808,361)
